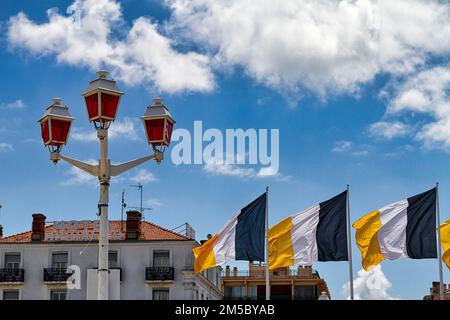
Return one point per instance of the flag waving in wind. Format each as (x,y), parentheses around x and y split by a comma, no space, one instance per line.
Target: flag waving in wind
(318,233)
(445,242)
(242,238)
(404,229)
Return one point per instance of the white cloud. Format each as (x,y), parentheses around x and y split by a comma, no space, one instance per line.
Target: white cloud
(388,130)
(348,147)
(18,104)
(79,177)
(371,285)
(328,47)
(342,146)
(118,129)
(143,176)
(222,169)
(426,93)
(360,153)
(88,38)
(219,168)
(6,147)
(324,46)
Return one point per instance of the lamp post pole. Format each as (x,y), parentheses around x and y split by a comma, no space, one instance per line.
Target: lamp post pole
(104,178)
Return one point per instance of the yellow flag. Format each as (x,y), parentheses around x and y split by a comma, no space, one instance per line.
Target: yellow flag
(367,239)
(281,252)
(445,242)
(204,255)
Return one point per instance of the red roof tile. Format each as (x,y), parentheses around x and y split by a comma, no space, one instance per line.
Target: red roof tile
(71,232)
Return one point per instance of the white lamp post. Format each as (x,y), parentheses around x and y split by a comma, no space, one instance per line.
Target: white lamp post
(102,101)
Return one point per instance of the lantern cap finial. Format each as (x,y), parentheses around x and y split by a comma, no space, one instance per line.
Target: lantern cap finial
(102,73)
(157,101)
(57,101)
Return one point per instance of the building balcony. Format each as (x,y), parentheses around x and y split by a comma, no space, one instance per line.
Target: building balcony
(55,275)
(259,272)
(155,274)
(12,275)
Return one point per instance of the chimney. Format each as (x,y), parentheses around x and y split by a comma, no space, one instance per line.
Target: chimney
(227,271)
(38,227)
(435,287)
(209,236)
(1,231)
(133,226)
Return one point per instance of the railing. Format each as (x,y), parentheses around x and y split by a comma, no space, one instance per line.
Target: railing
(273,274)
(56,275)
(12,275)
(159,273)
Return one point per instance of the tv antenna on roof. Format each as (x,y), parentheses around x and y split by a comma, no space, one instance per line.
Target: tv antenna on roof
(123,206)
(140,188)
(141,209)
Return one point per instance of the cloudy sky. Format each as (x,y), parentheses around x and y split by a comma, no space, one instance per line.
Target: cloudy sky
(360,91)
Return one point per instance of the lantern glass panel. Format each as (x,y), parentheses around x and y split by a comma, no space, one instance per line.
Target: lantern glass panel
(92,105)
(109,105)
(45,131)
(155,129)
(60,131)
(168,131)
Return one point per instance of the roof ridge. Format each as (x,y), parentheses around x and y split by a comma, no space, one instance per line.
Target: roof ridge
(22,233)
(165,229)
(49,227)
(15,235)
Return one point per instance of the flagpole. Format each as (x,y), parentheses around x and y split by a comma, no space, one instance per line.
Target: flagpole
(349,246)
(267,246)
(441,280)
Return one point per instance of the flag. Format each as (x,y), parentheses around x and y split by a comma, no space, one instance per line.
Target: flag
(318,233)
(242,238)
(404,229)
(445,242)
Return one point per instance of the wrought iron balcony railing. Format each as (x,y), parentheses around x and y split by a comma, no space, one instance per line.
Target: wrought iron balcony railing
(159,273)
(11,275)
(56,274)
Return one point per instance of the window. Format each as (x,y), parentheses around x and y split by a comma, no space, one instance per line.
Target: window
(161,294)
(234,292)
(58,295)
(305,292)
(12,260)
(161,258)
(11,295)
(252,293)
(113,259)
(60,260)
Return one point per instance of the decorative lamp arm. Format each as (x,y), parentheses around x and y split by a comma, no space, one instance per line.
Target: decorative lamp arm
(121,168)
(86,167)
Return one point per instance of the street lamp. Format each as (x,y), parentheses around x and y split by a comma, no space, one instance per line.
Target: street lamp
(102,100)
(55,125)
(158,124)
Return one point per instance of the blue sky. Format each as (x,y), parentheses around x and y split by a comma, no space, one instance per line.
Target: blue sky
(369,108)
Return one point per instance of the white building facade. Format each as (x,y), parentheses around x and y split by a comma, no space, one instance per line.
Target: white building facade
(147,262)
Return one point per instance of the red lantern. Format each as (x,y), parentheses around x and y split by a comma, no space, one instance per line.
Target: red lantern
(102,100)
(55,125)
(158,125)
